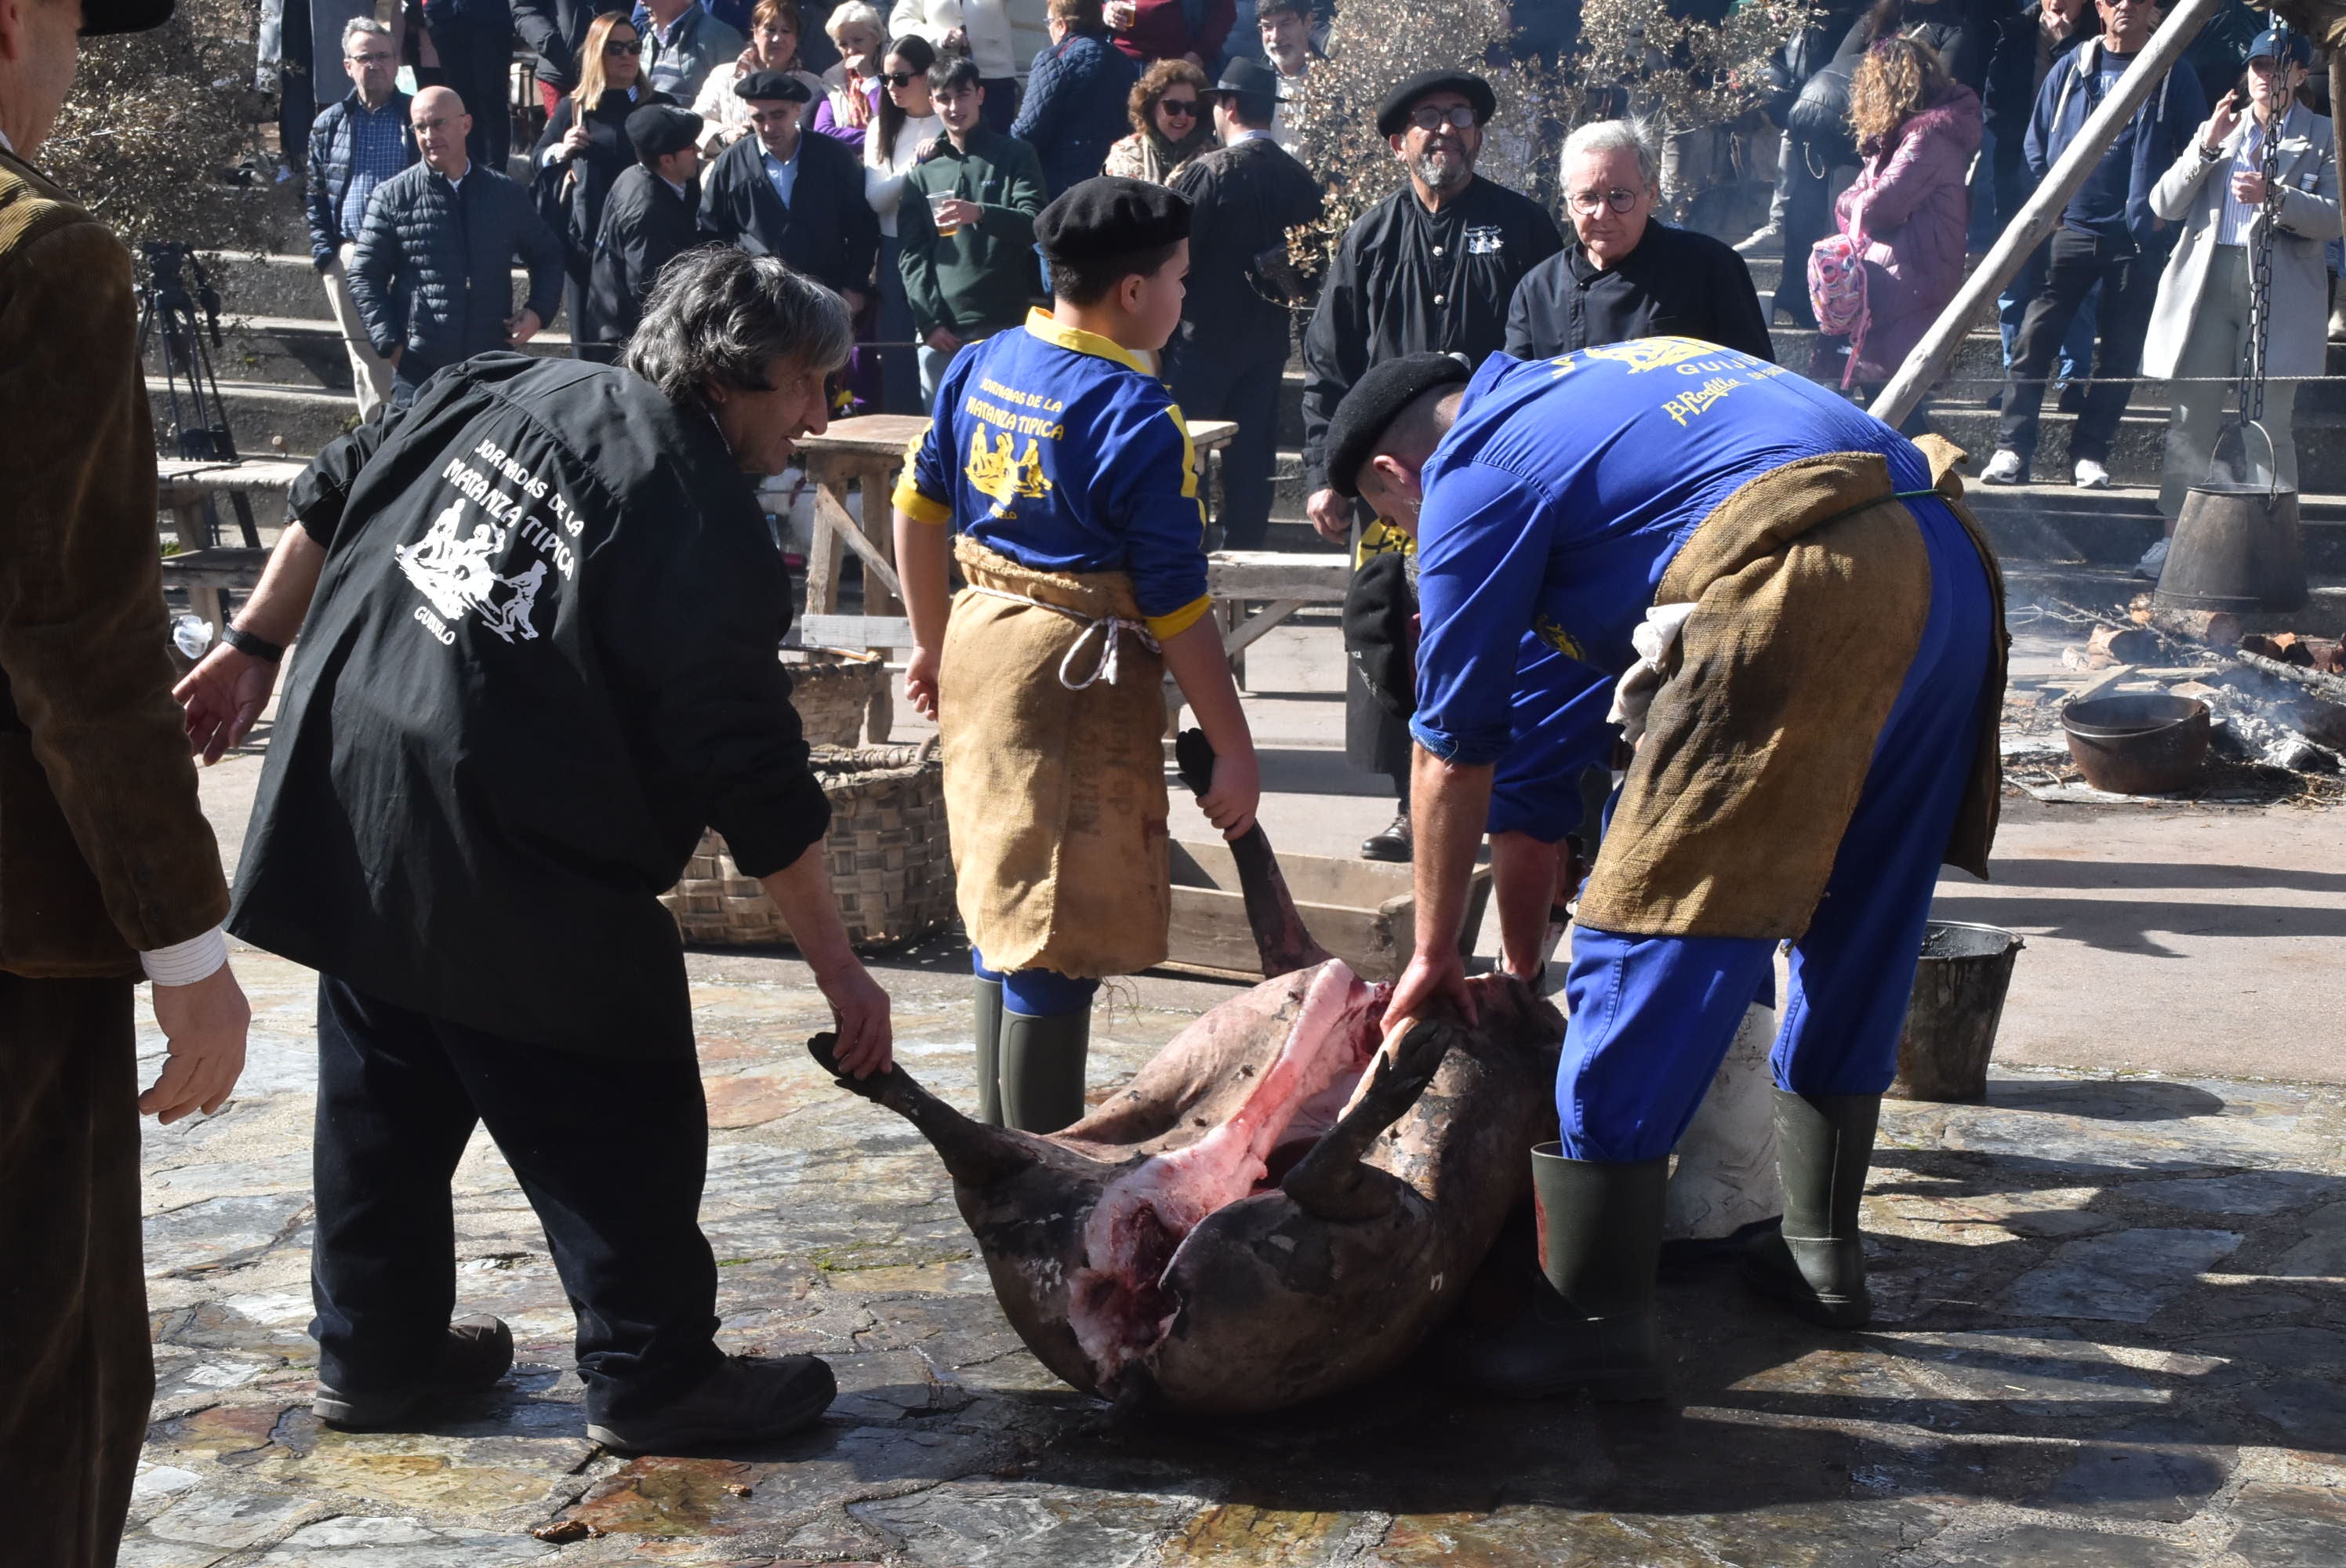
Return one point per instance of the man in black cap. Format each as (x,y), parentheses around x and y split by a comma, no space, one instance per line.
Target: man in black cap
(107,867)
(1431,267)
(784,193)
(651,216)
(1237,323)
(1059,474)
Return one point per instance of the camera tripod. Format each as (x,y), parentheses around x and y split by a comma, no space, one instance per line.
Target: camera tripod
(184,317)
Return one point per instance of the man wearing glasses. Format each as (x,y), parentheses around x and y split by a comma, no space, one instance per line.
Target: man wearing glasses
(1431,267)
(355,146)
(1626,274)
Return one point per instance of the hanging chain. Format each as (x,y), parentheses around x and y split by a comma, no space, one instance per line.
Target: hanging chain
(2260,253)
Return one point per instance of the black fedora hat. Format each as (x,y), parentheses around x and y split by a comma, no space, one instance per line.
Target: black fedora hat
(99,17)
(1246,79)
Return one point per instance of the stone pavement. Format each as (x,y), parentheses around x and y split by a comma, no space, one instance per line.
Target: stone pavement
(2109,1335)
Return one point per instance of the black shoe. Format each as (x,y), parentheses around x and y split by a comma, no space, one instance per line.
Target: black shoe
(748,1398)
(477,1353)
(1397,842)
(1824,1144)
(1590,1324)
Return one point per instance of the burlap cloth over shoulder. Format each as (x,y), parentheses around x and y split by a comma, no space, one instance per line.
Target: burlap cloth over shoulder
(1810,605)
(1056,798)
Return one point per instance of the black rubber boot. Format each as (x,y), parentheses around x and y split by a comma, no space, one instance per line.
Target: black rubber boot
(477,1355)
(1043,1070)
(1824,1143)
(989,1050)
(1590,1322)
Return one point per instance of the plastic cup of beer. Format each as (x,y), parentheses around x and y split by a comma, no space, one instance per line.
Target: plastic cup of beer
(937,200)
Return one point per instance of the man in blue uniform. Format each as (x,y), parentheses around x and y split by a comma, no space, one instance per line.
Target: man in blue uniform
(1807,637)
(1059,474)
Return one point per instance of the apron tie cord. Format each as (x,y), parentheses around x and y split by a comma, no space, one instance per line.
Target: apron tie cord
(1113,627)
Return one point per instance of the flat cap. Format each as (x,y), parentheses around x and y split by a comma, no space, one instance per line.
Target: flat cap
(771,87)
(1109,216)
(1373,402)
(659,130)
(1393,115)
(99,17)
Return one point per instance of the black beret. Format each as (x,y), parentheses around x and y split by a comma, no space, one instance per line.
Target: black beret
(1393,115)
(100,17)
(659,130)
(1109,216)
(771,87)
(1375,399)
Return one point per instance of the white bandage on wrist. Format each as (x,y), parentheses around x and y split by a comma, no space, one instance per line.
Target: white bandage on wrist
(185,962)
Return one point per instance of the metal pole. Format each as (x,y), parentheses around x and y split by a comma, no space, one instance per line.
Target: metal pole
(2043,213)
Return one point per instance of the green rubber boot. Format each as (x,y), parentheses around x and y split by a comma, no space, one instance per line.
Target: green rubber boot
(1824,1143)
(989,1052)
(1043,1070)
(1590,1322)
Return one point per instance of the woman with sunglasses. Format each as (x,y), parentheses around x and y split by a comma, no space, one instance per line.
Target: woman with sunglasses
(1169,125)
(775,29)
(583,149)
(907,123)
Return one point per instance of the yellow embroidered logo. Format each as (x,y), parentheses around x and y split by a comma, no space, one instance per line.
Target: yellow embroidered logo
(1641,354)
(1556,637)
(1000,477)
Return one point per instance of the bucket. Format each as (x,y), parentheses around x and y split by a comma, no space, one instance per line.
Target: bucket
(1953,1013)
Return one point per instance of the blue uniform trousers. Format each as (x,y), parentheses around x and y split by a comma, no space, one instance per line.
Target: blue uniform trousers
(1038,992)
(1652,1016)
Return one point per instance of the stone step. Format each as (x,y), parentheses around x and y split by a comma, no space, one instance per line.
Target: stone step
(266,420)
(300,351)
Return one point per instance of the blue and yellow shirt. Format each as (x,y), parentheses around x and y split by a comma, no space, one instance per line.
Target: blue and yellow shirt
(1064,452)
(1565,490)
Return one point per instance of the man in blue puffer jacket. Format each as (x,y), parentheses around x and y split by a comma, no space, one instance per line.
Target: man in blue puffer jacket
(432,274)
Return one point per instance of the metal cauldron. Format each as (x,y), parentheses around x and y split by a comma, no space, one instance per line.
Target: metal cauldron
(2149,745)
(2236,548)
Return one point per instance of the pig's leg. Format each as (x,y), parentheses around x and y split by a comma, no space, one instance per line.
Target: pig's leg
(978,1155)
(1331,1182)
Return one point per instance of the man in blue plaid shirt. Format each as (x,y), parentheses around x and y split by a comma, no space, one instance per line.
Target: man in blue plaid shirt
(355,146)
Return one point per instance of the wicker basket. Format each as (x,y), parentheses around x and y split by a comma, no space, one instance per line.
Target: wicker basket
(836,695)
(890,865)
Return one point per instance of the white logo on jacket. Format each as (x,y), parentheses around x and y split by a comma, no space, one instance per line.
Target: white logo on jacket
(457,574)
(1486,240)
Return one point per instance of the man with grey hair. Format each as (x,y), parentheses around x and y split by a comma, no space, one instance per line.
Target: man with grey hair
(1627,274)
(538,659)
(355,146)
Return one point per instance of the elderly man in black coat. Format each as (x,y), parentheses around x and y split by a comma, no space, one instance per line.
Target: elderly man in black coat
(1627,274)
(782,192)
(650,218)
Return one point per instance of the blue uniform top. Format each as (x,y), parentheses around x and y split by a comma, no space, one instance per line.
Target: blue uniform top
(1062,451)
(1565,489)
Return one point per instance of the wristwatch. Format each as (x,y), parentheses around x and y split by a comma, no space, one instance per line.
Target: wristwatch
(253,645)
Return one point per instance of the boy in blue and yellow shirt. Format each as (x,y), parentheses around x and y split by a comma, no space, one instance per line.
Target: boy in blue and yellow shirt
(1058,472)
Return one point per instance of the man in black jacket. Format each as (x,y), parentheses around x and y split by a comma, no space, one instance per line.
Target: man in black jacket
(539,660)
(355,146)
(433,272)
(1431,267)
(1236,328)
(651,217)
(1626,273)
(782,192)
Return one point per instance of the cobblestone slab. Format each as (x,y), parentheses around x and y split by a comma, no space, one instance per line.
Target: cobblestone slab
(2110,1337)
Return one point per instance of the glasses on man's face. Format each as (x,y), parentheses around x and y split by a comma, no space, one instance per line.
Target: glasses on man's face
(382,59)
(623,46)
(1179,108)
(1586,202)
(1458,118)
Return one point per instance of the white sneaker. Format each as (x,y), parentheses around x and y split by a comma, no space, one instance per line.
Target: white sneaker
(1768,236)
(2090,475)
(2004,468)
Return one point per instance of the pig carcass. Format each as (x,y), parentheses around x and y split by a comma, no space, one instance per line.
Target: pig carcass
(1272,1211)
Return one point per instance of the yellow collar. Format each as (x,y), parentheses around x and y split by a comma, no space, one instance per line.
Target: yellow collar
(1042,324)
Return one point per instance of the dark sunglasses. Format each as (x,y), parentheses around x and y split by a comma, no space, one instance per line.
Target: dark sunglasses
(900,78)
(619,46)
(1180,108)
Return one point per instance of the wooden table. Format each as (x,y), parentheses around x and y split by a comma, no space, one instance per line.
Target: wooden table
(1276,583)
(211,575)
(869,449)
(189,488)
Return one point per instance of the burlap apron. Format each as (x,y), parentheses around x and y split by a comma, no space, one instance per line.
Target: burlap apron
(1811,585)
(1055,773)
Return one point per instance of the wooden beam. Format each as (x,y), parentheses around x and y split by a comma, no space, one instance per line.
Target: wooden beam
(851,632)
(1307,575)
(2043,211)
(1250,631)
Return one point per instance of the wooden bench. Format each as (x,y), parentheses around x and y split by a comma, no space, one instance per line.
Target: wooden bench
(189,489)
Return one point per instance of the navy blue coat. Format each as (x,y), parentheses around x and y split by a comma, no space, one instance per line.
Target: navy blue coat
(329,171)
(433,268)
(1075,108)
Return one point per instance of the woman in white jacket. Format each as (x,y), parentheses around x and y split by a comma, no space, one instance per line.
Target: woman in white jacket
(983,27)
(900,134)
(2200,323)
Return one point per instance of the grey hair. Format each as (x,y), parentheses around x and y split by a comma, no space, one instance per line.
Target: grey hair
(362,27)
(719,317)
(1615,136)
(856,11)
